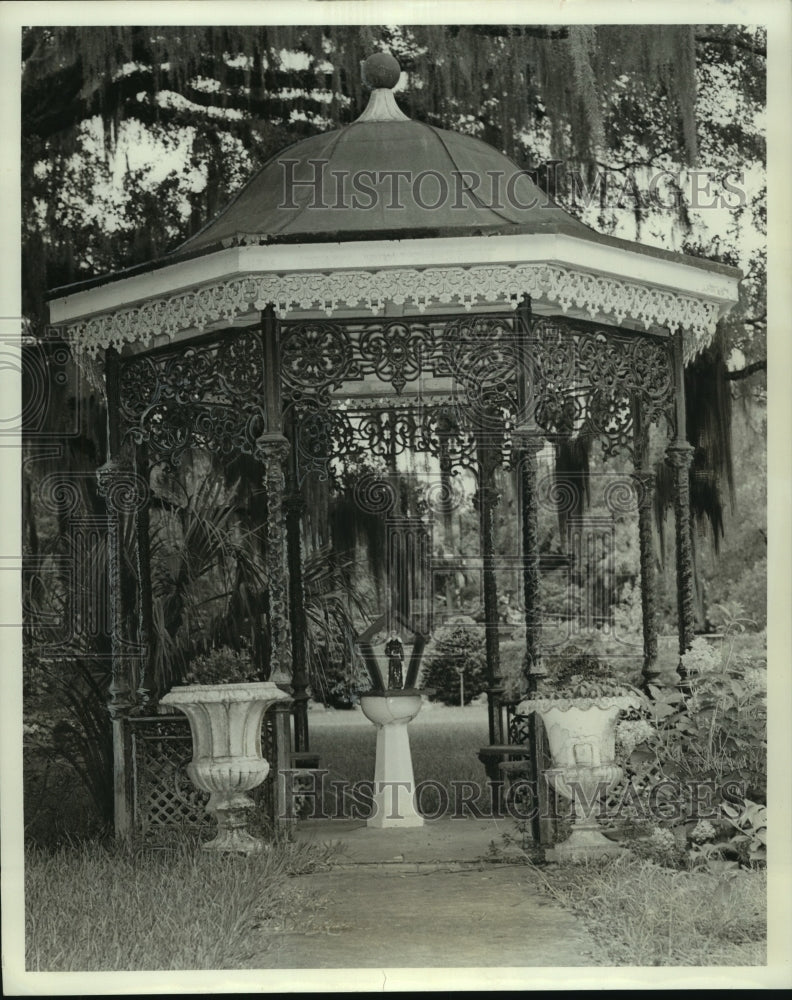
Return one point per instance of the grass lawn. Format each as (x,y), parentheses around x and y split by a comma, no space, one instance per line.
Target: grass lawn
(642,914)
(95,907)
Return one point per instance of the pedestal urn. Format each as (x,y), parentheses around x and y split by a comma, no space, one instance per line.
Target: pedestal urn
(394,782)
(582,737)
(225,721)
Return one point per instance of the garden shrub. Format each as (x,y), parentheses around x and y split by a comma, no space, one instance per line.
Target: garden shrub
(338,677)
(589,654)
(713,733)
(66,722)
(457,646)
(512,666)
(222,665)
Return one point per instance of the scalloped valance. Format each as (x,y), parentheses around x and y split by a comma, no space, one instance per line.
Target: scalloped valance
(565,289)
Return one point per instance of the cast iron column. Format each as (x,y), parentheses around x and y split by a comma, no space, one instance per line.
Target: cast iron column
(272,450)
(487,500)
(116,486)
(644,478)
(528,504)
(295,507)
(528,442)
(146,695)
(680,456)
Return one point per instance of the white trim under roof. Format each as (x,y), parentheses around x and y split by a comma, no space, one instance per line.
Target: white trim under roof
(563,273)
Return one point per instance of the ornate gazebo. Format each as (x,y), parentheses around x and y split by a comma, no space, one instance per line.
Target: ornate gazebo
(384,287)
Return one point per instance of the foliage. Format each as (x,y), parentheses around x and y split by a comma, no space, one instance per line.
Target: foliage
(458,648)
(77,729)
(512,666)
(221,666)
(340,682)
(628,616)
(750,822)
(591,684)
(208,574)
(718,733)
(738,574)
(582,668)
(333,607)
(730,618)
(711,735)
(210,584)
(643,914)
(96,908)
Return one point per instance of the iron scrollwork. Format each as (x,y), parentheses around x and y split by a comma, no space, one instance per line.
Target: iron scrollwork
(474,355)
(588,382)
(325,435)
(316,358)
(211,394)
(207,395)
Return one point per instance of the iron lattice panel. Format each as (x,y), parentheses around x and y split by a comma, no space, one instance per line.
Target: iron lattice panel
(622,805)
(519,728)
(164,798)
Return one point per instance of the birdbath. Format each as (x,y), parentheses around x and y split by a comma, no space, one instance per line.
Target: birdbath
(225,721)
(394,783)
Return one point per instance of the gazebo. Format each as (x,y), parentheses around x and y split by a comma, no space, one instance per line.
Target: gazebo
(384,287)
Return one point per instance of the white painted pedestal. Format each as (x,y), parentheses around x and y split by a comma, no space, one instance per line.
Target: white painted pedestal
(394,783)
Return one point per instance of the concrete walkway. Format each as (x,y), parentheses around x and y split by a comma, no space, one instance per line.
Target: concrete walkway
(424,898)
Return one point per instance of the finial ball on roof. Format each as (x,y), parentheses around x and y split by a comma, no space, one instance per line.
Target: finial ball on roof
(381,70)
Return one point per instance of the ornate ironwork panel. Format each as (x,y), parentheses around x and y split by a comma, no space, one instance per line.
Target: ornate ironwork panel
(582,379)
(481,356)
(519,728)
(317,357)
(381,431)
(474,355)
(208,394)
(588,381)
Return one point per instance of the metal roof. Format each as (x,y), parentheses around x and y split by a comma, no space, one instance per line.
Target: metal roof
(387,178)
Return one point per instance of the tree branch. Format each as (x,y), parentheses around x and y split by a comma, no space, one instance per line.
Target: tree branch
(740,373)
(757,50)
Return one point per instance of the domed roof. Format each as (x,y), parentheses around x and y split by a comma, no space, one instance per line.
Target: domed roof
(352,220)
(384,177)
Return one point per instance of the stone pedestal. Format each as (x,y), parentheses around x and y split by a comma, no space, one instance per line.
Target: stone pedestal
(583,786)
(394,783)
(225,721)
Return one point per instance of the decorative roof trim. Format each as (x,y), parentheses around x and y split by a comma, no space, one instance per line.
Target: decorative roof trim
(563,288)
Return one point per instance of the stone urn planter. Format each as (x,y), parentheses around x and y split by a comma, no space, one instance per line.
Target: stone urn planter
(394,782)
(582,737)
(225,721)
